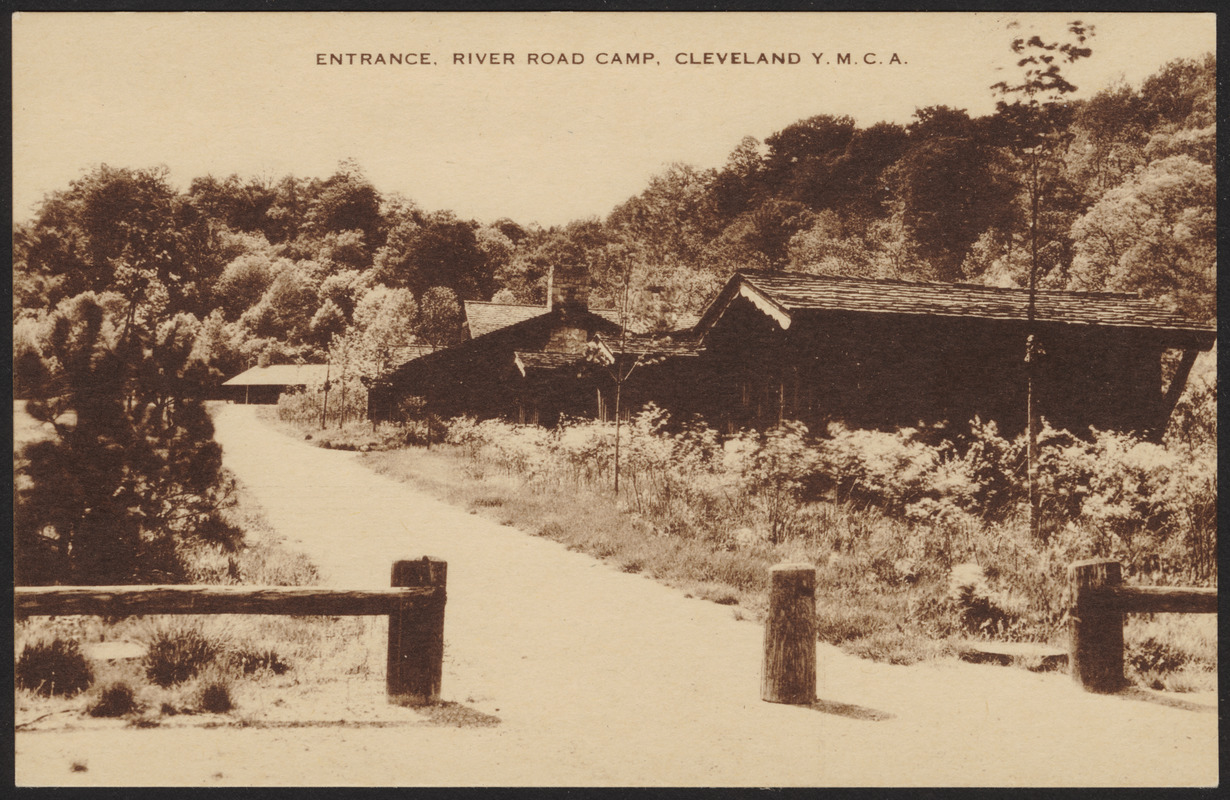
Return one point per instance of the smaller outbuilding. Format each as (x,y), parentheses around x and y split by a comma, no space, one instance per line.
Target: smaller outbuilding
(265,384)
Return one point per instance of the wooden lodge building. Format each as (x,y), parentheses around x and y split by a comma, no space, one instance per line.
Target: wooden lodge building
(783,345)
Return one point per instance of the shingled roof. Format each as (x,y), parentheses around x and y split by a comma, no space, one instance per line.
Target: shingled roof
(281,375)
(540,360)
(485,317)
(676,343)
(787,295)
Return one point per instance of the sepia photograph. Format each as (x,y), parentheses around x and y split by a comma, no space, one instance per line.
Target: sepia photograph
(597,399)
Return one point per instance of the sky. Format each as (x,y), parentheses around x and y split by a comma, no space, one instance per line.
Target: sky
(546,143)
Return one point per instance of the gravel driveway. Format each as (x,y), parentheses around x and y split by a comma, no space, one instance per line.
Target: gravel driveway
(606,678)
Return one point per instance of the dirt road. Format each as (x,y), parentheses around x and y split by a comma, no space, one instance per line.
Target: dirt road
(605,678)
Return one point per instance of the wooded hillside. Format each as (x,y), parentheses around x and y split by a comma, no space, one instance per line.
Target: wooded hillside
(270,271)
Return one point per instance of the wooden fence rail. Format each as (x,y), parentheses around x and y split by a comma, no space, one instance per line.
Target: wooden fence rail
(1099,601)
(414,605)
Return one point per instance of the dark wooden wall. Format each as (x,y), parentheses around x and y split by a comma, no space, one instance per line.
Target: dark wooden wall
(887,370)
(863,369)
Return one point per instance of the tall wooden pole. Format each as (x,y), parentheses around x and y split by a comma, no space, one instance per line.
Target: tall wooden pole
(619,366)
(1031,356)
(324,403)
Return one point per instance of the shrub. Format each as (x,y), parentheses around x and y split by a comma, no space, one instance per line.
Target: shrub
(177,654)
(891,470)
(980,607)
(116,700)
(1155,655)
(53,668)
(249,661)
(901,506)
(773,467)
(216,697)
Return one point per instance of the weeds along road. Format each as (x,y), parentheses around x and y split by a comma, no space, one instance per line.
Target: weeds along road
(606,678)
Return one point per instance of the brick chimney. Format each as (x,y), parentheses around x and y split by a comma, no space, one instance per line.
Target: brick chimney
(568,288)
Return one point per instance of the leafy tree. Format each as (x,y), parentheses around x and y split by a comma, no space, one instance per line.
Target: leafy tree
(949,188)
(244,281)
(1109,135)
(496,249)
(344,250)
(669,220)
(241,206)
(860,171)
(1183,93)
(393,263)
(802,159)
(1155,234)
(347,201)
(285,309)
(220,345)
(344,289)
(581,243)
(762,237)
(124,230)
(327,322)
(828,248)
(735,187)
(504,297)
(443,251)
(385,320)
(440,317)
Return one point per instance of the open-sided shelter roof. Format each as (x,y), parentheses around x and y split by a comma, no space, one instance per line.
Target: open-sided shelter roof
(281,375)
(786,296)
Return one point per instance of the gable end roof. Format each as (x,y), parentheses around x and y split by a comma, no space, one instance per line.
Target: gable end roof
(786,296)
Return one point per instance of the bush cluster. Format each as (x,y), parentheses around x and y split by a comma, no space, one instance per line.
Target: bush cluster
(347,401)
(198,669)
(922,511)
(50,668)
(116,700)
(1108,494)
(177,654)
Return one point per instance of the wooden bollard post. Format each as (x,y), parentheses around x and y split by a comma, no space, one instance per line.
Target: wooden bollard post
(1096,656)
(416,635)
(789,671)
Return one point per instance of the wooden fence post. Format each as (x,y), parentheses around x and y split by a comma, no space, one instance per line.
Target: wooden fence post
(789,671)
(1096,623)
(416,635)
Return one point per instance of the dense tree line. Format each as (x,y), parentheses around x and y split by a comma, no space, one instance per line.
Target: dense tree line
(132,298)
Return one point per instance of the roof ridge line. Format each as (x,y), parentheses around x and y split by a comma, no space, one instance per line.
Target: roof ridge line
(763,273)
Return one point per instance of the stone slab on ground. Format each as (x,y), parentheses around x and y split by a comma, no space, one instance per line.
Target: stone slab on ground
(1030,655)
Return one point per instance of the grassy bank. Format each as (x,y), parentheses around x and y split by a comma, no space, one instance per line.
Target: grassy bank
(872,601)
(856,608)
